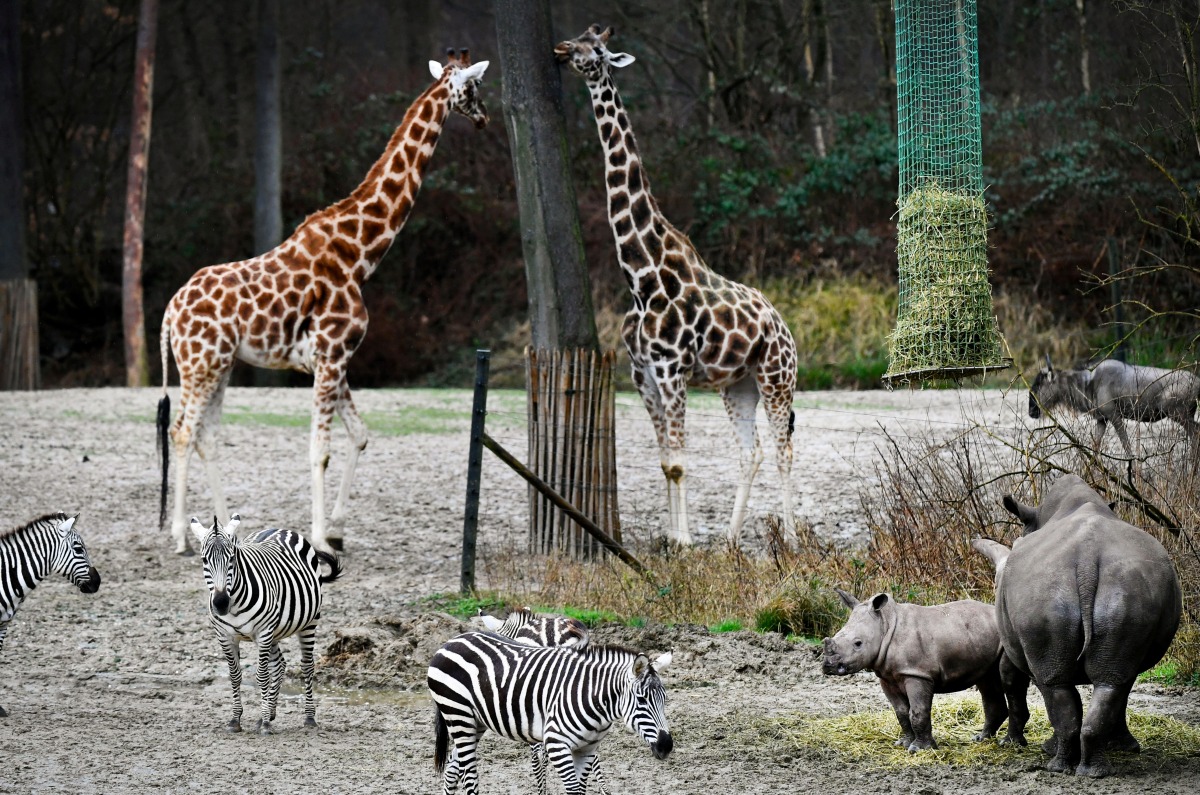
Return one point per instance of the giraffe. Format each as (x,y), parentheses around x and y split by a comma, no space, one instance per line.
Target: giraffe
(688,325)
(299,306)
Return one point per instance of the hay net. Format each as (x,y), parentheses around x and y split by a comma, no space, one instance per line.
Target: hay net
(945,326)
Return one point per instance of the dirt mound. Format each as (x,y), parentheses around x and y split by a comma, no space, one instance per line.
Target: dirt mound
(388,651)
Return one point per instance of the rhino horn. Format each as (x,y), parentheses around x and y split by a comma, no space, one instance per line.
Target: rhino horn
(1049,364)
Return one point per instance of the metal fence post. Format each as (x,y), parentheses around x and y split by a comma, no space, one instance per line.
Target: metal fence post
(474,464)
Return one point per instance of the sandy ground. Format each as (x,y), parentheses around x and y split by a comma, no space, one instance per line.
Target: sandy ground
(125,691)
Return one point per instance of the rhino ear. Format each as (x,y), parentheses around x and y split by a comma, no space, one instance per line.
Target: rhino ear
(846,598)
(880,601)
(1026,513)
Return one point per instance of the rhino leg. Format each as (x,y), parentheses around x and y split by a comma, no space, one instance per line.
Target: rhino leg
(1066,714)
(995,708)
(920,700)
(899,701)
(1016,690)
(1103,727)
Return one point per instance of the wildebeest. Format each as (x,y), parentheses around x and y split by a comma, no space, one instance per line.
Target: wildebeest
(1113,391)
(1083,597)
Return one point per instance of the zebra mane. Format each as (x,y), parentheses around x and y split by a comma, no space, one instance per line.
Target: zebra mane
(41,521)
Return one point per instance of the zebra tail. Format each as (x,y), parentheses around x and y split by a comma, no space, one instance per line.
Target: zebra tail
(441,744)
(164,449)
(336,569)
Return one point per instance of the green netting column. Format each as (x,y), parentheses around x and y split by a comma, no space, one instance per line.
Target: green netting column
(946,327)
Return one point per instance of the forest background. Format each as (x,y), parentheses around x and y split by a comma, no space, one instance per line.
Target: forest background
(769,132)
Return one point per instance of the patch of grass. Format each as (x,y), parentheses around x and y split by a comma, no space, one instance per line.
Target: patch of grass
(803,606)
(590,618)
(464,606)
(240,416)
(868,737)
(1165,673)
(728,625)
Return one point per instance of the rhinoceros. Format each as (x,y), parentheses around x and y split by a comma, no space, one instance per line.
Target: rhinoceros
(1083,597)
(917,651)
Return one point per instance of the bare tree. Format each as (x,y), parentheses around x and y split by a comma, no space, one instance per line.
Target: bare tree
(137,372)
(560,296)
(18,294)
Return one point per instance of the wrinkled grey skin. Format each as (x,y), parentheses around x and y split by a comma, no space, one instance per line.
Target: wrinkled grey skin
(918,651)
(1113,392)
(1083,597)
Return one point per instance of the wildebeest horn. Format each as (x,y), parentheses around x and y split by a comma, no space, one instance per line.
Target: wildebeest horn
(1049,364)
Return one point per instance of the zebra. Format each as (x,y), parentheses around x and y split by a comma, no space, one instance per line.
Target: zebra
(558,696)
(27,556)
(525,627)
(264,588)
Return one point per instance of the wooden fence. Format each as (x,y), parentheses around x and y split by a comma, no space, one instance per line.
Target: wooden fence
(572,447)
(19,335)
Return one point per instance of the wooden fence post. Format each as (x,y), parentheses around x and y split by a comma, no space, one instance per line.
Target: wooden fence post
(474,465)
(572,447)
(19,335)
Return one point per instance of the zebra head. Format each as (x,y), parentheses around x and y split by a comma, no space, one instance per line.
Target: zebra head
(219,546)
(646,707)
(71,559)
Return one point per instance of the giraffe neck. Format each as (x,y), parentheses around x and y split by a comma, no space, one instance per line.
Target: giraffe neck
(633,214)
(360,228)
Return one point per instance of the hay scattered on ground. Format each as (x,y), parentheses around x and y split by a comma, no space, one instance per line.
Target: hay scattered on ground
(868,738)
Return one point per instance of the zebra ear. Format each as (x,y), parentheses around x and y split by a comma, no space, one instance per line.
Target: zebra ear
(231,528)
(662,662)
(640,664)
(198,530)
(67,524)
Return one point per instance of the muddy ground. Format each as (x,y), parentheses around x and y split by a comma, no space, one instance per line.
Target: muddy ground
(125,691)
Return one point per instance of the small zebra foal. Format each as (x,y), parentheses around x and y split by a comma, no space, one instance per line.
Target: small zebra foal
(561,697)
(264,588)
(524,626)
(27,556)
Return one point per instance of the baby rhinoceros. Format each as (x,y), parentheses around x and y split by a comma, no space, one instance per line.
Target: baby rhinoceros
(918,651)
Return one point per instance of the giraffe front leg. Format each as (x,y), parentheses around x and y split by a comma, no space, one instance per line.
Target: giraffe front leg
(673,392)
(357,430)
(326,381)
(672,461)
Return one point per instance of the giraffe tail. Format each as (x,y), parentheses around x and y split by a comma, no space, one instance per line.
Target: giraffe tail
(164,422)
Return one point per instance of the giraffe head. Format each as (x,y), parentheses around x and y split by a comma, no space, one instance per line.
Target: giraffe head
(588,54)
(463,78)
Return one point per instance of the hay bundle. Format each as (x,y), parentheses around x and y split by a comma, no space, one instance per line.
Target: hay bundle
(945,326)
(868,738)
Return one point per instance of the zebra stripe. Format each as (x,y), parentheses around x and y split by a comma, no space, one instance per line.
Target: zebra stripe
(264,588)
(566,699)
(29,554)
(526,627)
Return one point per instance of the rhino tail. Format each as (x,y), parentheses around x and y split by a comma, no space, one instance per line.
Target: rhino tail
(1087,581)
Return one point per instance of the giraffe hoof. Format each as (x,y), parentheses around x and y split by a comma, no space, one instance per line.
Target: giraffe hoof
(336,544)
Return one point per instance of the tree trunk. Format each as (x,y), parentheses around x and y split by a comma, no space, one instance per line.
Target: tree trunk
(136,370)
(18,294)
(1085,74)
(12,203)
(268,152)
(560,296)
